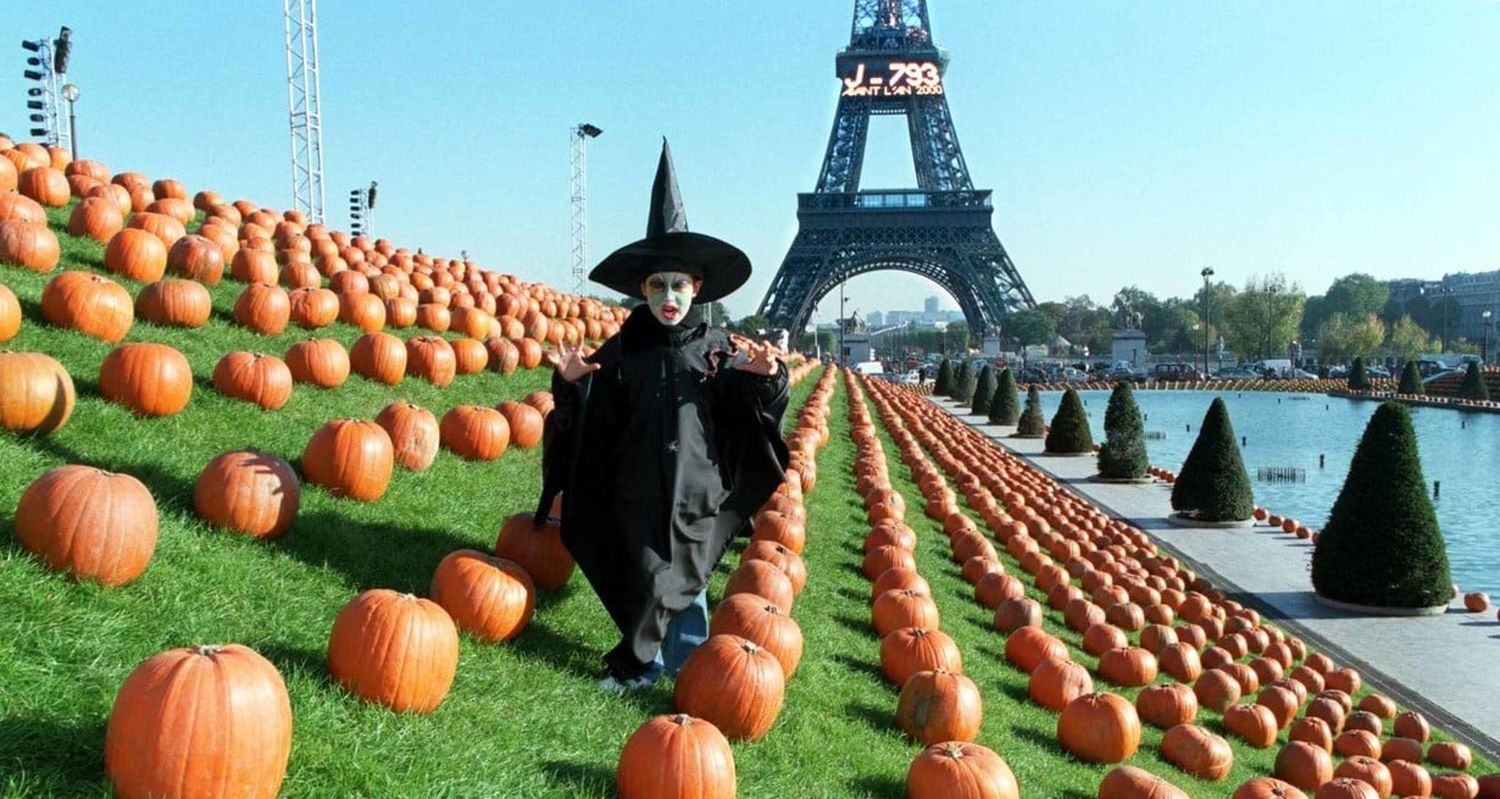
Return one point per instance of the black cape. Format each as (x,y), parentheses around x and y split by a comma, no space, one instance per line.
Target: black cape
(662,456)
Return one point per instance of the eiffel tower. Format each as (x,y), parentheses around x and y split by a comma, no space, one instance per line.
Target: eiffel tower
(941,230)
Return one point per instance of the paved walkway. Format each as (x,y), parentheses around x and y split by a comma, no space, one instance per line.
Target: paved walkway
(1446,666)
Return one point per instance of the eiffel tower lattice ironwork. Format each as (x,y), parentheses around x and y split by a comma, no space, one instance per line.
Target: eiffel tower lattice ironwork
(941,230)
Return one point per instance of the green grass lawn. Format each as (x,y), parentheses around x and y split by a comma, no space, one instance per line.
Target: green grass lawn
(523,718)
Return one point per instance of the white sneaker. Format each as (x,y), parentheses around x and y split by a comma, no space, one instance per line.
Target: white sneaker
(611,685)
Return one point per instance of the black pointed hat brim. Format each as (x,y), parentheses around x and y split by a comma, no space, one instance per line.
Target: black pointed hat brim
(722,266)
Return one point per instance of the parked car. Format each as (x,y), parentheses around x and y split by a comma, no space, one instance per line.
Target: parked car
(1184,372)
(1069,374)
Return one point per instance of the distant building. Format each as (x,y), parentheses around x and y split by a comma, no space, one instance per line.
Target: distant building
(1475,293)
(930,305)
(877,319)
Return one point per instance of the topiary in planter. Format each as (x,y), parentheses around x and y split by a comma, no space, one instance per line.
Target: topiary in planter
(1411,380)
(1005,406)
(984,391)
(1473,386)
(1070,427)
(1123,455)
(965,384)
(1032,423)
(943,386)
(1381,545)
(1359,379)
(1213,485)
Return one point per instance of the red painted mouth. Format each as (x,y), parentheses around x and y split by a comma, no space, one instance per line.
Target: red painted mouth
(670,311)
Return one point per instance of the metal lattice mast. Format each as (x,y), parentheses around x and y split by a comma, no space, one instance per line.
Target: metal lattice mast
(304,108)
(44,96)
(578,138)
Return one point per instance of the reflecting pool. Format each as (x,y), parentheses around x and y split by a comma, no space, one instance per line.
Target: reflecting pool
(1289,431)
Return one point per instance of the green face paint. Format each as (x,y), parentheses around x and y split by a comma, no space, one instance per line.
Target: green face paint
(670,295)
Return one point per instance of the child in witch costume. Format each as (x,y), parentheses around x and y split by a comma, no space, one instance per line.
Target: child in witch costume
(663,442)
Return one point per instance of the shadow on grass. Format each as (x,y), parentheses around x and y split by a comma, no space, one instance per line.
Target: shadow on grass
(53,757)
(298,661)
(877,786)
(876,718)
(577,778)
(854,664)
(855,624)
(168,489)
(370,554)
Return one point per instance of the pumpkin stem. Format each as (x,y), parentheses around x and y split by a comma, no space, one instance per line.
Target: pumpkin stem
(207,649)
(951,750)
(682,719)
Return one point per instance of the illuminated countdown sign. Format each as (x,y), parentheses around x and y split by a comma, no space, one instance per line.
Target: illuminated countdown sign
(892,79)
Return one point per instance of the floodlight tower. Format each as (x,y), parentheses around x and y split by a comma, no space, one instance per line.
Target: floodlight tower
(362,210)
(304,107)
(578,136)
(47,67)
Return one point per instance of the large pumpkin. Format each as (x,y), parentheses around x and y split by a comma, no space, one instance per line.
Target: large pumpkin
(1197,751)
(364,311)
(394,649)
(380,357)
(1268,788)
(30,245)
(263,308)
(314,307)
(96,218)
(1166,706)
(350,458)
(492,598)
(538,548)
(1129,782)
(36,393)
(198,722)
(137,255)
(88,522)
(431,358)
(414,433)
(10,314)
(761,622)
(504,357)
(912,649)
(46,185)
(937,706)
(150,379)
(175,303)
(676,757)
(250,492)
(253,266)
(319,361)
(262,379)
(1099,728)
(958,770)
(526,423)
(762,579)
(197,258)
(1057,681)
(734,684)
(15,208)
(474,432)
(165,228)
(469,356)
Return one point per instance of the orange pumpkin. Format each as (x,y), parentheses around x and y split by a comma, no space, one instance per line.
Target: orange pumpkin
(394,649)
(89,523)
(263,308)
(754,619)
(253,266)
(319,361)
(380,357)
(46,185)
(1099,728)
(960,770)
(492,598)
(36,393)
(15,208)
(1129,782)
(538,548)
(1166,706)
(10,314)
(313,308)
(149,379)
(431,359)
(1197,751)
(734,684)
(474,432)
(676,757)
(175,303)
(526,423)
(912,649)
(200,721)
(413,431)
(249,492)
(364,311)
(29,245)
(96,218)
(262,379)
(1304,765)
(164,227)
(350,458)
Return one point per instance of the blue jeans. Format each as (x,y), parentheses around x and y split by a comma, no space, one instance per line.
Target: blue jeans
(685,633)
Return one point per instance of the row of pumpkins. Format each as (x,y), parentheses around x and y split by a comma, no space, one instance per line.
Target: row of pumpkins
(1301,385)
(1121,571)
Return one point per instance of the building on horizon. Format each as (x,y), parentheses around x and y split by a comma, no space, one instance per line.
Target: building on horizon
(1475,293)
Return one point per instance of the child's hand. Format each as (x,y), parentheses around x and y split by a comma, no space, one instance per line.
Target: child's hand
(569,362)
(760,358)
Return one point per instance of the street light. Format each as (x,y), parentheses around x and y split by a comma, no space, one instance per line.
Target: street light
(1270,312)
(1207,273)
(70,93)
(1484,346)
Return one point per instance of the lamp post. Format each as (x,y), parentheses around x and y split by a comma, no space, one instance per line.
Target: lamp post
(1207,273)
(843,323)
(1270,323)
(1484,345)
(70,93)
(1444,292)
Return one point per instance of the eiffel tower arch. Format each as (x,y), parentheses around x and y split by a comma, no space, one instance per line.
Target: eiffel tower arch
(941,230)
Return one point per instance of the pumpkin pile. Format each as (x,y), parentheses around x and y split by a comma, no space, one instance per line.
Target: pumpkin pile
(1221,657)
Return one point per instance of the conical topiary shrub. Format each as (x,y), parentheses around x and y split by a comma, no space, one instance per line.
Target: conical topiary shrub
(1411,380)
(1005,406)
(966,383)
(943,386)
(960,376)
(1473,386)
(1070,427)
(1032,423)
(1123,455)
(1381,546)
(1213,485)
(984,391)
(1359,379)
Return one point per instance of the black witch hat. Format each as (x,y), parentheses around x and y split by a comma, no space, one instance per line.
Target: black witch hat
(669,247)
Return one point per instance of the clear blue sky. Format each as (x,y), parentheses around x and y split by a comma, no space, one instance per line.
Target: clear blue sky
(1127,142)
